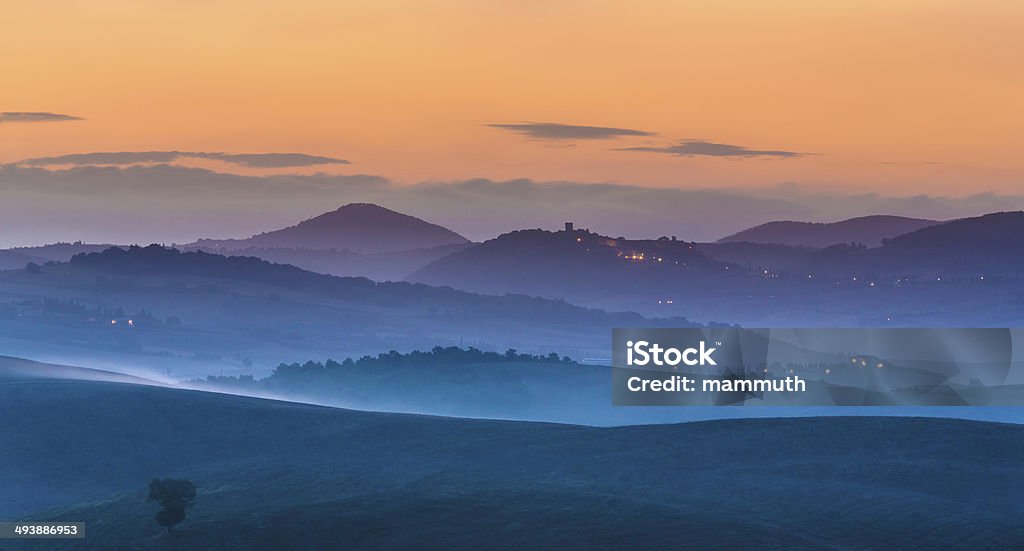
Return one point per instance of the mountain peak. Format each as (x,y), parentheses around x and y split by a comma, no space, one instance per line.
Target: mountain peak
(359,227)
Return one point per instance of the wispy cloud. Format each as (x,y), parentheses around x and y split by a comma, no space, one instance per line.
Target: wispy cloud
(252,160)
(556,131)
(274,160)
(698,148)
(22,116)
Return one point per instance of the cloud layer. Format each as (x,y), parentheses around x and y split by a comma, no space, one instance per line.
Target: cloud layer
(698,148)
(22,116)
(168,203)
(556,131)
(251,160)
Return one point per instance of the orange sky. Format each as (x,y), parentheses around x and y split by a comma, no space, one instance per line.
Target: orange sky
(902,97)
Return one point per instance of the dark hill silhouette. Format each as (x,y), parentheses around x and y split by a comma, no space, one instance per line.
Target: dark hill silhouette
(991,245)
(186,314)
(18,257)
(359,227)
(387,266)
(163,263)
(967,271)
(868,230)
(295,476)
(785,258)
(578,264)
(998,230)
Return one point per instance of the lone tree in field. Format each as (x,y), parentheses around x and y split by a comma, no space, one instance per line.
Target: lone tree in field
(174,496)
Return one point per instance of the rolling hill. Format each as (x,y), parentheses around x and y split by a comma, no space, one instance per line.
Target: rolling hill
(17,258)
(989,246)
(995,231)
(275,475)
(16,369)
(868,230)
(583,267)
(193,314)
(357,227)
(966,272)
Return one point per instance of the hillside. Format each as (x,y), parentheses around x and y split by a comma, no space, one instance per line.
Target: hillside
(16,369)
(387,266)
(581,266)
(18,257)
(968,249)
(926,278)
(273,475)
(868,230)
(192,314)
(357,227)
(778,258)
(999,230)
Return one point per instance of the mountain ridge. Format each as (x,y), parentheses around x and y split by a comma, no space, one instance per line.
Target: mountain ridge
(869,230)
(357,227)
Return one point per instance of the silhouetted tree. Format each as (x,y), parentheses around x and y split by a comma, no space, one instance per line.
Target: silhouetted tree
(33,268)
(175,497)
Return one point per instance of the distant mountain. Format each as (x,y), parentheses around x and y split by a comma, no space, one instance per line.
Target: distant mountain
(968,271)
(357,227)
(583,267)
(867,230)
(991,245)
(999,230)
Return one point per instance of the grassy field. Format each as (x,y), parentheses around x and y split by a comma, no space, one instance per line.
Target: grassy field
(275,475)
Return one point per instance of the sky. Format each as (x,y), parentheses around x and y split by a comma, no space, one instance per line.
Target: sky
(900,98)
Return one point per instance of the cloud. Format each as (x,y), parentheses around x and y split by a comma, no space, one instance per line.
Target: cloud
(144,203)
(16,116)
(555,131)
(698,148)
(106,158)
(274,160)
(252,160)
